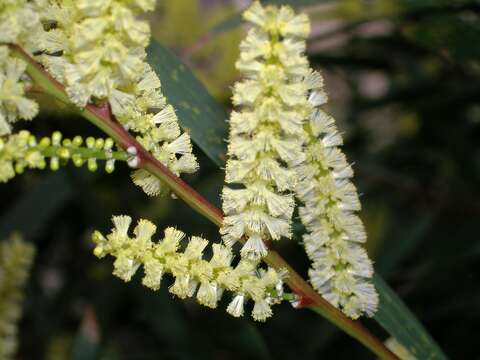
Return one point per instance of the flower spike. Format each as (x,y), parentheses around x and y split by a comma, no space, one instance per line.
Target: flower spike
(16,258)
(191,272)
(341,269)
(266,134)
(97,50)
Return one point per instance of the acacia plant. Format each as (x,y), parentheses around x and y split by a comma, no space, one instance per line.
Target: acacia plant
(284,152)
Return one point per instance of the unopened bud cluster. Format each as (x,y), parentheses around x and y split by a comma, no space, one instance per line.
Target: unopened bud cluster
(194,276)
(23,151)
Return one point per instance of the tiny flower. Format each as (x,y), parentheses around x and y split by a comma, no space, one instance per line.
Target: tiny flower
(125,266)
(149,183)
(153,273)
(261,310)
(183,286)
(254,247)
(235,308)
(119,234)
(208,295)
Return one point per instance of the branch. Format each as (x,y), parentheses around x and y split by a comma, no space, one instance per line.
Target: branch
(102,117)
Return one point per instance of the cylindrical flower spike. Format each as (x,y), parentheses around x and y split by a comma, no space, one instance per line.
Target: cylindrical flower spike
(20,23)
(13,103)
(97,50)
(16,257)
(341,269)
(192,273)
(266,135)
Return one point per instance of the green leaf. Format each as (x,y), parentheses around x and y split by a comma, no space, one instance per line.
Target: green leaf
(208,129)
(197,110)
(400,322)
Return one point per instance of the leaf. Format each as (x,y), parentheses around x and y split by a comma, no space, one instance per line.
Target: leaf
(400,322)
(197,110)
(208,124)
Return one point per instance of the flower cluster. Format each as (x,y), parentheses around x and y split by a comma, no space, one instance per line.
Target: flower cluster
(97,50)
(16,257)
(102,46)
(267,134)
(20,23)
(22,150)
(193,274)
(341,267)
(13,103)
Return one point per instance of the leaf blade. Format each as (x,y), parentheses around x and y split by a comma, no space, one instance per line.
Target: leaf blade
(395,317)
(197,110)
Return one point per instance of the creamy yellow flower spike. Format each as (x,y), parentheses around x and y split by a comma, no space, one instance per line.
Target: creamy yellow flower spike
(341,269)
(13,103)
(266,134)
(97,49)
(20,24)
(192,274)
(16,257)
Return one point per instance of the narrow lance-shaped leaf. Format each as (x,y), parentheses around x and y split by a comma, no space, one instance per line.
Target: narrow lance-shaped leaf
(399,321)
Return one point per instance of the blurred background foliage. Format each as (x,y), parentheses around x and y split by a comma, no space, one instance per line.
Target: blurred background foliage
(404,82)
